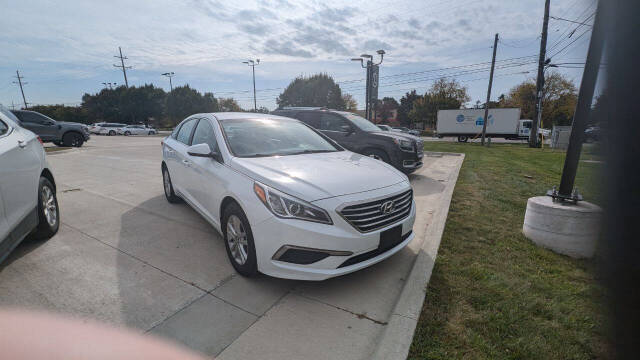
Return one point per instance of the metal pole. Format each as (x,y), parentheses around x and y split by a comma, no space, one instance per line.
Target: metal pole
(124,69)
(533,137)
(583,107)
(253,69)
(366,100)
(486,105)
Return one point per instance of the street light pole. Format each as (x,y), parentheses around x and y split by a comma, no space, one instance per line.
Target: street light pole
(368,101)
(170,75)
(253,65)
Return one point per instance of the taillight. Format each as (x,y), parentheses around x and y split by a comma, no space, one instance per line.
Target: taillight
(40,140)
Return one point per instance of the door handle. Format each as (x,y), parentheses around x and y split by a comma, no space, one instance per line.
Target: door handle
(186,163)
(22,144)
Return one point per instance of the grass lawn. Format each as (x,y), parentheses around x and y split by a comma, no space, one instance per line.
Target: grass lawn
(494,294)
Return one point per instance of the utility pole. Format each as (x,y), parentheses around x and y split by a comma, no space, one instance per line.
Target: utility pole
(533,136)
(169,75)
(486,105)
(253,65)
(21,89)
(124,68)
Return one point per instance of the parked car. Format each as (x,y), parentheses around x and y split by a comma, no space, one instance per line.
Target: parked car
(136,130)
(61,133)
(592,134)
(28,203)
(385,127)
(110,129)
(288,200)
(359,135)
(406,130)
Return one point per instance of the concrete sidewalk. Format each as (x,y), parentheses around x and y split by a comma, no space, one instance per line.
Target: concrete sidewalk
(125,256)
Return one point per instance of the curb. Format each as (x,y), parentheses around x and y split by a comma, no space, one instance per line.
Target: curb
(396,338)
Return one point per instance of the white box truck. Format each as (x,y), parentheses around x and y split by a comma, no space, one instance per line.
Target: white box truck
(467,123)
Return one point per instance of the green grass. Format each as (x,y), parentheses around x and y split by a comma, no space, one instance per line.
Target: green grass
(494,294)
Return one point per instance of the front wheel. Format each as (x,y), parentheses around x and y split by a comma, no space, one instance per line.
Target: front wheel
(48,213)
(72,139)
(238,240)
(463,138)
(127,133)
(112,132)
(151,133)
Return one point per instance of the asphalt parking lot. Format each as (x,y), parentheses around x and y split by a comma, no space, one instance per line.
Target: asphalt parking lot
(125,256)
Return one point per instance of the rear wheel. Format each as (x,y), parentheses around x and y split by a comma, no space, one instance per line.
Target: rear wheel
(151,133)
(127,133)
(48,213)
(463,138)
(112,132)
(238,240)
(168,187)
(72,139)
(377,154)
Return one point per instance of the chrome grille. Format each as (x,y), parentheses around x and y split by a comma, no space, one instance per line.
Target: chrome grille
(369,216)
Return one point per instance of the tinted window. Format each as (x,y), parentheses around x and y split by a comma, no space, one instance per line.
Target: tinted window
(270,137)
(360,122)
(3,128)
(309,118)
(330,122)
(31,117)
(204,135)
(185,131)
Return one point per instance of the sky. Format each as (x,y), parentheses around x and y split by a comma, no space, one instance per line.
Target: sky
(66,48)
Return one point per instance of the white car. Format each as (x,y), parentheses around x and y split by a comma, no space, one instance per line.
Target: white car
(289,201)
(110,129)
(136,130)
(28,203)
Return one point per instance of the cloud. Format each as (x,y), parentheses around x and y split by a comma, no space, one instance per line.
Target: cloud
(371,45)
(285,48)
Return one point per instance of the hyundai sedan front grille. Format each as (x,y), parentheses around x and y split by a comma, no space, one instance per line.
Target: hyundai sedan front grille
(376,214)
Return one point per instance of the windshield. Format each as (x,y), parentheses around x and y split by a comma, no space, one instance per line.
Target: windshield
(362,123)
(271,137)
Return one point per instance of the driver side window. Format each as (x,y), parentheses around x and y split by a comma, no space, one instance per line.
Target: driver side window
(331,122)
(204,134)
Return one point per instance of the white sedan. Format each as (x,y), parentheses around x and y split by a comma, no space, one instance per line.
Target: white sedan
(289,201)
(136,130)
(28,203)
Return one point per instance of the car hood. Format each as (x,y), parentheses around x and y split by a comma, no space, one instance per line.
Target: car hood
(397,135)
(318,176)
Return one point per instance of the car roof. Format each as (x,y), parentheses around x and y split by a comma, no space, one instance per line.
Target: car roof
(246,115)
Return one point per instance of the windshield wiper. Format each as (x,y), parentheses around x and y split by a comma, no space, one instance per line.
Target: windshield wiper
(311,152)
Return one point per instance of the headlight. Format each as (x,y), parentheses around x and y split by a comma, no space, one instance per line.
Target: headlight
(286,206)
(405,145)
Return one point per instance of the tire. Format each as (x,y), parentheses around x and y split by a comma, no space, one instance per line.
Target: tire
(48,211)
(151,133)
(463,138)
(72,139)
(112,132)
(127,133)
(377,154)
(167,185)
(239,247)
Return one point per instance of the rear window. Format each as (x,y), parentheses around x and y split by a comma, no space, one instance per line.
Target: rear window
(3,128)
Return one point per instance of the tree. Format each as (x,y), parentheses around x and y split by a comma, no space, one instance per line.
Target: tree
(184,101)
(385,107)
(316,90)
(63,113)
(229,104)
(406,105)
(139,104)
(559,99)
(349,102)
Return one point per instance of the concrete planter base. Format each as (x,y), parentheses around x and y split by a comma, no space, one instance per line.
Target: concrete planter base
(564,228)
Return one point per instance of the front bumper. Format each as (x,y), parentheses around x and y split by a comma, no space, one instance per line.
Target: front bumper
(341,240)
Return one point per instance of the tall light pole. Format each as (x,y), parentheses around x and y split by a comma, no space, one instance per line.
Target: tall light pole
(372,80)
(169,75)
(253,65)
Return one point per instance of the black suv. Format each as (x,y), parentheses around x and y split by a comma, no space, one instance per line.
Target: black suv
(58,132)
(359,135)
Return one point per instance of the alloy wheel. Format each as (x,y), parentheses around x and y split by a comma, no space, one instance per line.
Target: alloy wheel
(167,183)
(49,206)
(237,240)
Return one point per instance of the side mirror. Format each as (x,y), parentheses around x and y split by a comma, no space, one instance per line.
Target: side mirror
(203,150)
(346,128)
